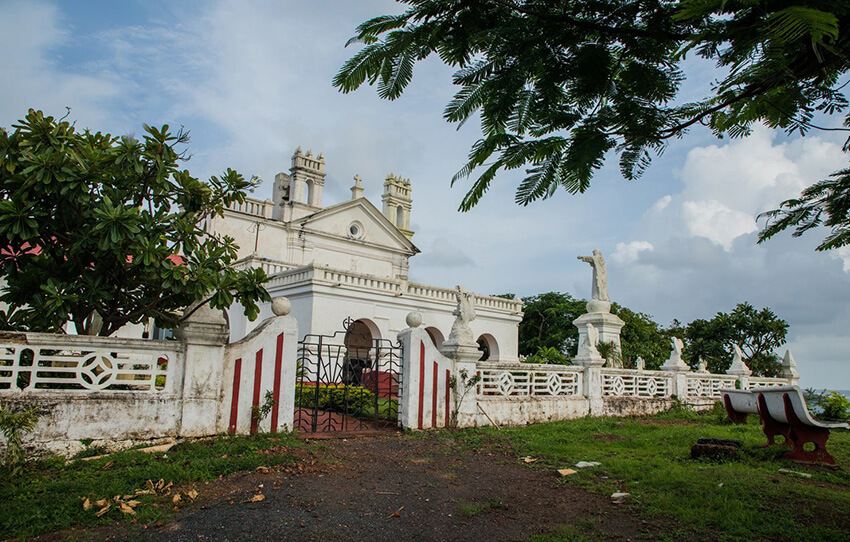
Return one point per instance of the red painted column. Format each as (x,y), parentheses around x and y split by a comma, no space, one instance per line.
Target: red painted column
(255,402)
(278,369)
(434,396)
(234,398)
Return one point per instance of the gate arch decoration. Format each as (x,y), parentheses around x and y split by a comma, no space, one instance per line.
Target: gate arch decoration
(348,381)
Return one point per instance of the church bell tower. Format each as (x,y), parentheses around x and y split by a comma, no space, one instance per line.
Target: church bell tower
(397,203)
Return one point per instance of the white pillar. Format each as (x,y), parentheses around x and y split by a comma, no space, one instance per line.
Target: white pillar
(204,334)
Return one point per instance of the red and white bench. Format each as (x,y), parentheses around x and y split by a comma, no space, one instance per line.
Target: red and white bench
(783,411)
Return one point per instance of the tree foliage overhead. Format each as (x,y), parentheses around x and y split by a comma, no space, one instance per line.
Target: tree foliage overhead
(825,203)
(105,231)
(561,84)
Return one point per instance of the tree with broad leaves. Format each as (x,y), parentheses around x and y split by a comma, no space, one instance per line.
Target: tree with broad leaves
(561,84)
(106,231)
(547,323)
(758,332)
(641,337)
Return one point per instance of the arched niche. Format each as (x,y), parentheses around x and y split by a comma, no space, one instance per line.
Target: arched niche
(489,347)
(436,336)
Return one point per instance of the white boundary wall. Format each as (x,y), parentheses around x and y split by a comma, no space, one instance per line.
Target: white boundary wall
(521,393)
(122,392)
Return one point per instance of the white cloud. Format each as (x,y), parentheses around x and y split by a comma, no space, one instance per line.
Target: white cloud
(443,253)
(661,204)
(34,75)
(626,253)
(717,222)
(843,254)
(725,187)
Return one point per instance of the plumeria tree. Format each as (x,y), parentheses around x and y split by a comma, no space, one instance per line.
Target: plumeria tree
(104,231)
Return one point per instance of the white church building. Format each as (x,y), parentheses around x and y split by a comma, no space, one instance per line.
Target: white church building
(350,260)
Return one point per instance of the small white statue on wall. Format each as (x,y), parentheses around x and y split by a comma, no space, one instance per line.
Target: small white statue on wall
(464,313)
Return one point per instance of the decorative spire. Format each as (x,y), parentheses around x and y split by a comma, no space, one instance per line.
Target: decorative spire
(738,367)
(357,189)
(789,368)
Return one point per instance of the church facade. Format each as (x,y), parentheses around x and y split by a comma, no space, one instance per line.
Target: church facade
(350,260)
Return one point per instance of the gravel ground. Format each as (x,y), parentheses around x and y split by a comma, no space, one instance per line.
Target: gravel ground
(392,487)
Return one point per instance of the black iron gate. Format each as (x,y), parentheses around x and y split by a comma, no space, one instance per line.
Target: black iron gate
(347,381)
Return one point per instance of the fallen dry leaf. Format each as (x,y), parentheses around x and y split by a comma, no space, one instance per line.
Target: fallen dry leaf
(192,494)
(126,509)
(176,498)
(86,504)
(256,498)
(103,510)
(101,503)
(262,469)
(529,459)
(566,472)
(133,504)
(108,466)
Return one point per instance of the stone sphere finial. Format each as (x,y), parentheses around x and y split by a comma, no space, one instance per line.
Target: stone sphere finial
(414,319)
(281,306)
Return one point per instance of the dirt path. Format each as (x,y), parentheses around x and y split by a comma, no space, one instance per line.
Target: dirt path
(398,488)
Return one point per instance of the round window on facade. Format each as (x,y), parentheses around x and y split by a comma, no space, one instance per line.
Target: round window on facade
(355,230)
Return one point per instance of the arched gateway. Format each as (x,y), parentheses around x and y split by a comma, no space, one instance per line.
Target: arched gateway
(348,381)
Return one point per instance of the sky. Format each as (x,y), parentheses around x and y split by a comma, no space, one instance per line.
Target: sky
(251,80)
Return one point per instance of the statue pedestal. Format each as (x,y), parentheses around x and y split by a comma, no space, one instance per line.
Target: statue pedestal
(608,325)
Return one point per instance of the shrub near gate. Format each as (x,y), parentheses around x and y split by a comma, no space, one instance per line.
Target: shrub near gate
(353,400)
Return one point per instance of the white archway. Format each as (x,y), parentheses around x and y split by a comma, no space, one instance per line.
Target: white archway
(489,347)
(436,336)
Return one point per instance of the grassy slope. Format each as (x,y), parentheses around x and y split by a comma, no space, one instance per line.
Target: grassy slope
(746,500)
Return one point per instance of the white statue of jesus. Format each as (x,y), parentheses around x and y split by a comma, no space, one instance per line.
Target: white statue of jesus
(600,275)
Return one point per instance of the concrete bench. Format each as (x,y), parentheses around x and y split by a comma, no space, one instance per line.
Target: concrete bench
(740,403)
(785,405)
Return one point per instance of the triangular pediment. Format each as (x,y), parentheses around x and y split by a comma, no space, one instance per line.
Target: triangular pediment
(358,221)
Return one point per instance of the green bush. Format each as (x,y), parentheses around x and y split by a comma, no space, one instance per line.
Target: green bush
(352,400)
(835,406)
(548,355)
(14,425)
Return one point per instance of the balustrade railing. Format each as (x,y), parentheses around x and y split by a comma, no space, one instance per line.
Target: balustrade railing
(765,382)
(529,380)
(633,383)
(43,362)
(254,207)
(361,281)
(708,385)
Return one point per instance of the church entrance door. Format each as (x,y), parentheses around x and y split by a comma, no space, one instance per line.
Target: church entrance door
(348,381)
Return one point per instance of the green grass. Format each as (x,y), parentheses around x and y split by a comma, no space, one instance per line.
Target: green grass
(48,495)
(474,508)
(739,500)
